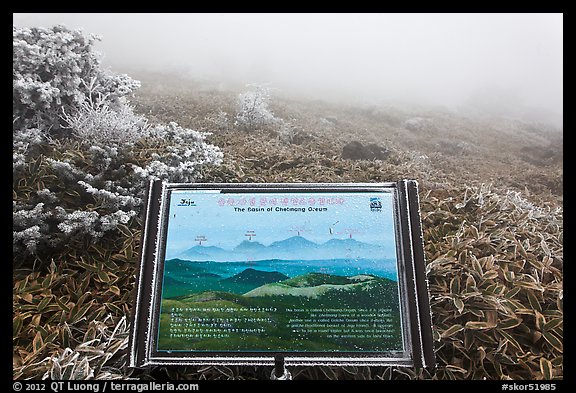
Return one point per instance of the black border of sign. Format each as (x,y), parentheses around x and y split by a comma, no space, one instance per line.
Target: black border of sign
(416,310)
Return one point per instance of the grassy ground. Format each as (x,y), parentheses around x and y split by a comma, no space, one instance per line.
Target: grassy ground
(491,194)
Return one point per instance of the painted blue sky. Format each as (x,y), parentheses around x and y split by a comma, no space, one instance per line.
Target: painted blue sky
(216,217)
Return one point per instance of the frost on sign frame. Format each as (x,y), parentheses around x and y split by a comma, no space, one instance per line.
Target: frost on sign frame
(317,273)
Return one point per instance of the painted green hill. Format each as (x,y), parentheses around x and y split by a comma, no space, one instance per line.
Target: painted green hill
(314,279)
(256,277)
(317,285)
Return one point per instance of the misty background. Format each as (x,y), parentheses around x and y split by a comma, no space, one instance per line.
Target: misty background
(495,64)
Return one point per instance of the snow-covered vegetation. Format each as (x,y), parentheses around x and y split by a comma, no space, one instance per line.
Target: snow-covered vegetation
(81,156)
(253,108)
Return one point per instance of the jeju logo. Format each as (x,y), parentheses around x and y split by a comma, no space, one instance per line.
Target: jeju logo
(375,204)
(186,202)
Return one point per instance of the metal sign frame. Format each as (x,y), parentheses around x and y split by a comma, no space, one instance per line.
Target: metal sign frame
(416,321)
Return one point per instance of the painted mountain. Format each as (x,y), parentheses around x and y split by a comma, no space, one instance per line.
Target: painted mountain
(295,247)
(249,247)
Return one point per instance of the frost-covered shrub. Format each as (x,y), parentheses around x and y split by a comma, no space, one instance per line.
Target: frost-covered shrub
(24,142)
(87,190)
(77,193)
(83,190)
(253,108)
(32,225)
(184,153)
(24,139)
(29,237)
(54,69)
(92,223)
(98,121)
(109,198)
(220,120)
(84,187)
(47,224)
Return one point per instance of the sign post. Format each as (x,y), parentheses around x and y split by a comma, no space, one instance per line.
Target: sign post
(336,276)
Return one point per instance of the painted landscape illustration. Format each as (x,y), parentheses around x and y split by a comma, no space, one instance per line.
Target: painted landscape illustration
(308,284)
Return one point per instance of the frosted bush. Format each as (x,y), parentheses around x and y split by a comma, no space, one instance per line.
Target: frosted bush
(29,226)
(92,223)
(27,217)
(103,157)
(97,121)
(54,69)
(111,221)
(111,199)
(18,163)
(25,139)
(51,226)
(37,227)
(66,171)
(83,187)
(80,220)
(47,195)
(25,142)
(253,108)
(90,191)
(180,160)
(220,120)
(29,237)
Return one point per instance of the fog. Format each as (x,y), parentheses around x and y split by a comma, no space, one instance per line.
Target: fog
(506,64)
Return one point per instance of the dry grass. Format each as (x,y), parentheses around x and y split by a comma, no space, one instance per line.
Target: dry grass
(493,233)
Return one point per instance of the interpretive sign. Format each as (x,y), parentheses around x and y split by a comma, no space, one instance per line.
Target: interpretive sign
(319,273)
